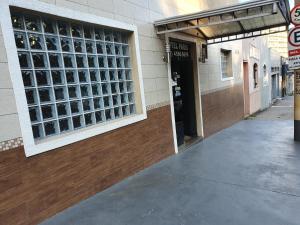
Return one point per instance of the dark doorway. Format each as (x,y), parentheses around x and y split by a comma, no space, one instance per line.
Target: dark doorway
(183,93)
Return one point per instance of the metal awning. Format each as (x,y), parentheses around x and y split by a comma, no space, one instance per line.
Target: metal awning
(229,23)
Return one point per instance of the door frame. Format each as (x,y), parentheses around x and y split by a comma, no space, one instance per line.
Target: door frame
(195,53)
(246,88)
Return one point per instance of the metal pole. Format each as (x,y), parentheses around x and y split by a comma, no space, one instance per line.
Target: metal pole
(297,105)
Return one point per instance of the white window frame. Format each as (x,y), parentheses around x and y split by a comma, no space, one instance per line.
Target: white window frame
(31,146)
(231,69)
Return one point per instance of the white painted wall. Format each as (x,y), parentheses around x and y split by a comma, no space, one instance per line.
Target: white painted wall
(142,13)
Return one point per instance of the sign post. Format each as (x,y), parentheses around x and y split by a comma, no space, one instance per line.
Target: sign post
(294,63)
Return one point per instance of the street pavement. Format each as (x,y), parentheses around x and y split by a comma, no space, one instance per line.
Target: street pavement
(248,174)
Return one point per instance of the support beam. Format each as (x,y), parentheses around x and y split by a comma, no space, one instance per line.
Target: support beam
(297,105)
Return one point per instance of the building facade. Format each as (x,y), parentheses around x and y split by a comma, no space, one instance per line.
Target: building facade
(89,96)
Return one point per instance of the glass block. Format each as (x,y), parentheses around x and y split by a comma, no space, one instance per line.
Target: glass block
(36,41)
(111,62)
(85,91)
(115,99)
(77,122)
(81,61)
(117,112)
(132,109)
(35,115)
(100,48)
(63,28)
(113,75)
(48,111)
(76,30)
(102,61)
(90,47)
(110,49)
(42,78)
(24,60)
(108,36)
(118,49)
(125,50)
(45,95)
(94,76)
(79,45)
(126,62)
(20,39)
(88,32)
(128,75)
(99,34)
(17,22)
(75,107)
(33,23)
(65,125)
(92,60)
(50,128)
(39,60)
(96,89)
(105,89)
(106,101)
(117,37)
(125,110)
(114,88)
(121,87)
(55,60)
(87,104)
(88,119)
(121,75)
(129,86)
(99,116)
(52,43)
(83,76)
(69,60)
(58,77)
(124,99)
(31,96)
(124,38)
(103,75)
(131,98)
(71,76)
(28,79)
(108,114)
(120,62)
(73,92)
(49,26)
(62,109)
(66,44)
(37,131)
(98,103)
(60,93)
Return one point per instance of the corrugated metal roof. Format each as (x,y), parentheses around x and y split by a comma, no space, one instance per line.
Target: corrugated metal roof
(247,19)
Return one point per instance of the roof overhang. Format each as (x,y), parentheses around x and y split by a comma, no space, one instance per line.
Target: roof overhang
(250,19)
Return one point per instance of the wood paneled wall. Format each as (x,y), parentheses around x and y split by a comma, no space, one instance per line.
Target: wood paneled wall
(222,108)
(33,189)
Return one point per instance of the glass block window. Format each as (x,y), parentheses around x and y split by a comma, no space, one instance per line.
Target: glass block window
(75,74)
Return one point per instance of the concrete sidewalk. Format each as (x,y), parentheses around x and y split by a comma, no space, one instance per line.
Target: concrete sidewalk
(282,109)
(248,174)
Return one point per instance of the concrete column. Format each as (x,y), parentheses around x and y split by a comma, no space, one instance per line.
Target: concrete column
(297,105)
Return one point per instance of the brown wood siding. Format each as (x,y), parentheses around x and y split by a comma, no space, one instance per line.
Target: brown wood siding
(222,108)
(33,189)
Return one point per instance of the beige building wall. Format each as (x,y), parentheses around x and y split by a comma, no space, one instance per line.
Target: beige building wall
(279,43)
(142,13)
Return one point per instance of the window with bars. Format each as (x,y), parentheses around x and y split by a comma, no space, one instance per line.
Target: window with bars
(75,75)
(226,64)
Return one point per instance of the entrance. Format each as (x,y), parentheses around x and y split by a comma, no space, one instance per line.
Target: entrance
(183,93)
